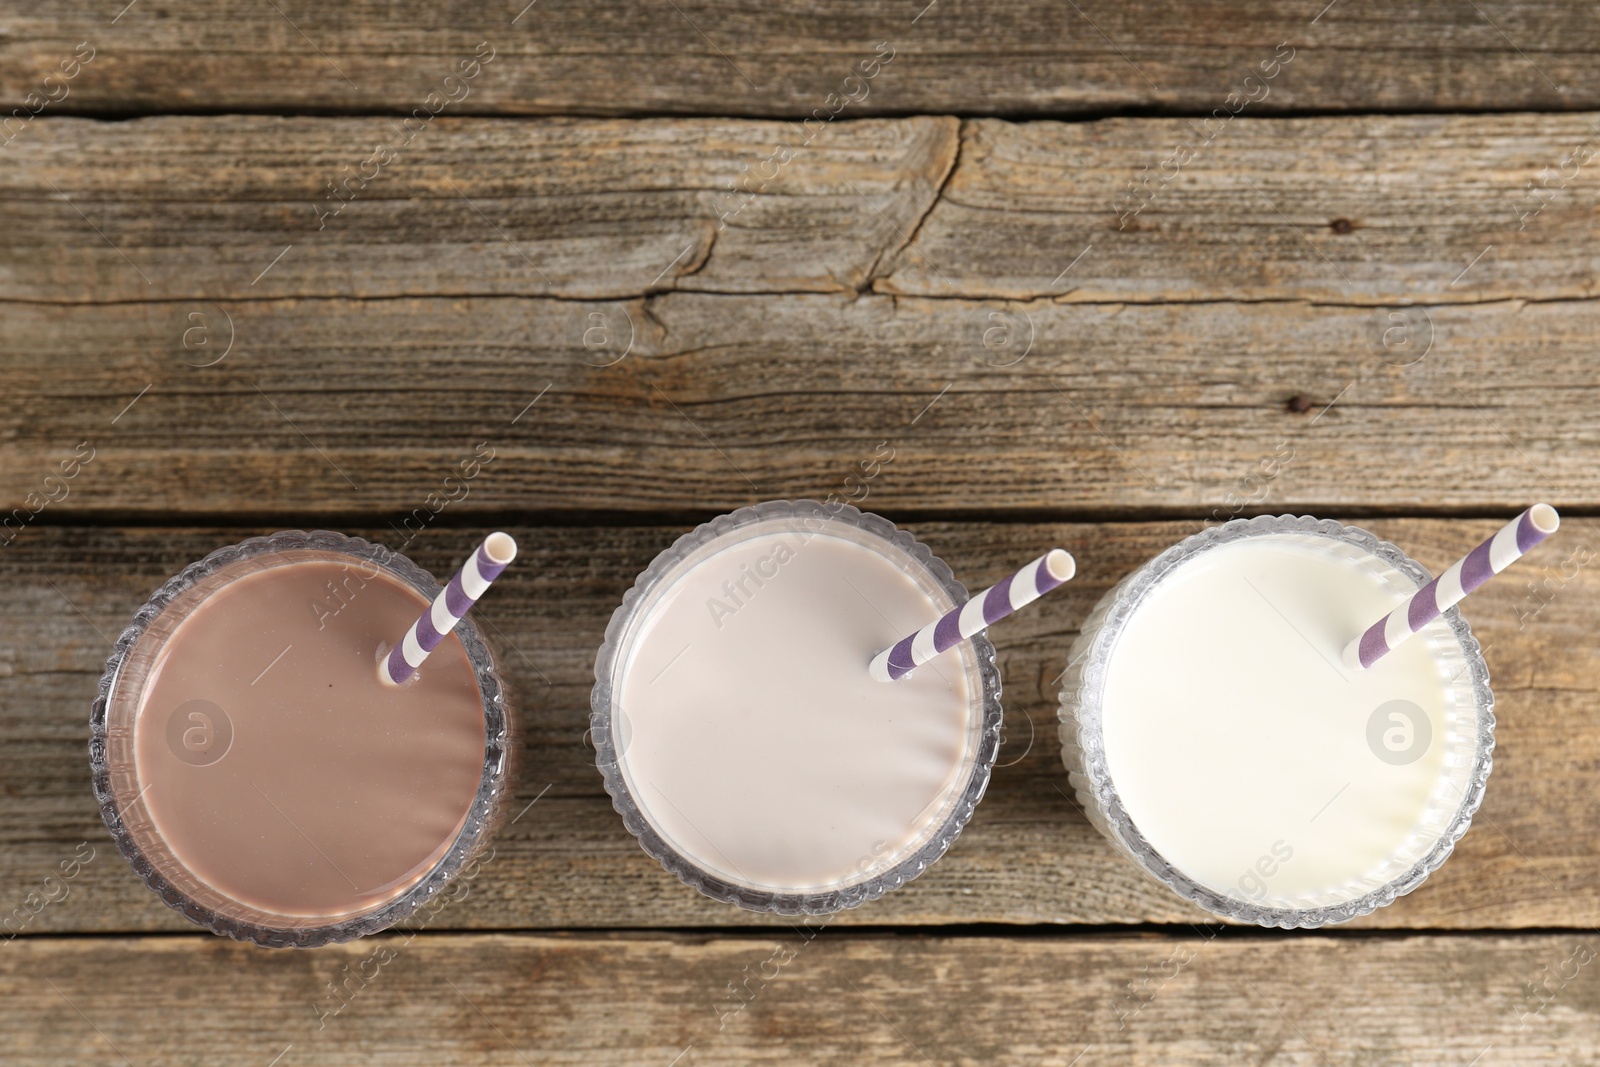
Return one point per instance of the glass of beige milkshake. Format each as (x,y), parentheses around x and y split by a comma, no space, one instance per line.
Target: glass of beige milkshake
(257,773)
(741,736)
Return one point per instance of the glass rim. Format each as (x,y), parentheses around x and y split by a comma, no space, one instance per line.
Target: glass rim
(482,816)
(1083,747)
(691,873)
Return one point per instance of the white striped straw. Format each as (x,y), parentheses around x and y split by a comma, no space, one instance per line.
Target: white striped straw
(1465,575)
(958,624)
(469,583)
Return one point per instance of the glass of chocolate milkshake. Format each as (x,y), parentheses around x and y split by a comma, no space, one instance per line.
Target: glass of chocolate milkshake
(257,773)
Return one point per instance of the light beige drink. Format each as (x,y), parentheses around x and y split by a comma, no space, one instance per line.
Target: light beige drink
(752,736)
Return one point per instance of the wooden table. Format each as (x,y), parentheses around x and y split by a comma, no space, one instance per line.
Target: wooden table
(1099,273)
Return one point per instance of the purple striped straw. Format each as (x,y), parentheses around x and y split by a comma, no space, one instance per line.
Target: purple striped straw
(1465,575)
(469,583)
(989,606)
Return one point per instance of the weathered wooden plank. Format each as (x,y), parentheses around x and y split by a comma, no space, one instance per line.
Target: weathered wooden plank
(1029,856)
(716,57)
(254,206)
(328,408)
(236,207)
(810,998)
(1387,210)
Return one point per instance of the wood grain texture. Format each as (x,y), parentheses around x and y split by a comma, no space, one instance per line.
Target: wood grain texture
(1386,210)
(1368,210)
(185,208)
(504,999)
(712,56)
(330,408)
(1029,856)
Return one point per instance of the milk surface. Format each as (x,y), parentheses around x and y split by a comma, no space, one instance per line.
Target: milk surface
(750,732)
(1245,751)
(332,793)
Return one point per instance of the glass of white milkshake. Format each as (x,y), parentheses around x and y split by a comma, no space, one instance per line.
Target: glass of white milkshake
(1214,733)
(741,735)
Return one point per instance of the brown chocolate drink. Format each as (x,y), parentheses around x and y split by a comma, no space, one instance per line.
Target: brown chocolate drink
(274,777)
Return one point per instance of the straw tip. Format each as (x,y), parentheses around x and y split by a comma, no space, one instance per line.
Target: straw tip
(1544,518)
(1060,564)
(501,547)
(1352,655)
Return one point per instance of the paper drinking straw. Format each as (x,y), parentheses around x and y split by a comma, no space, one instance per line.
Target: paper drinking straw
(989,606)
(469,583)
(1465,575)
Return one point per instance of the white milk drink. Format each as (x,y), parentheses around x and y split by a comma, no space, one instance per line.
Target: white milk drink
(1250,758)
